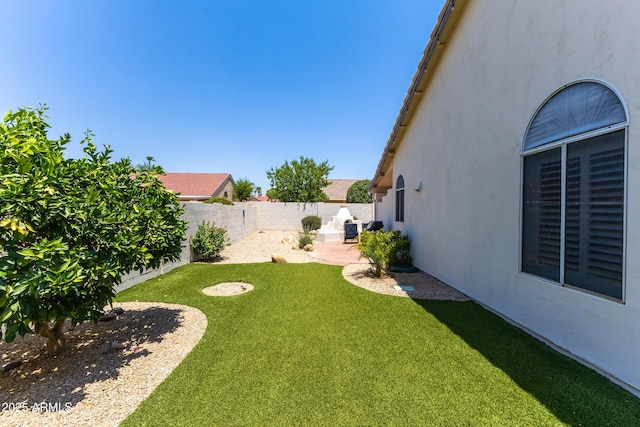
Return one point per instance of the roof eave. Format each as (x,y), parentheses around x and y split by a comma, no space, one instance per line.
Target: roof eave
(439,36)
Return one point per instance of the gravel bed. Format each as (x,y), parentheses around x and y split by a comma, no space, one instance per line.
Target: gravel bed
(227,289)
(261,244)
(424,286)
(93,383)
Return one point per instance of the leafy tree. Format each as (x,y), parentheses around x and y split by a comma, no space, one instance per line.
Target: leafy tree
(71,228)
(258,191)
(299,181)
(272,194)
(359,192)
(243,189)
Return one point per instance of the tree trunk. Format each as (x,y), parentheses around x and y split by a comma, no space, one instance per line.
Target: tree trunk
(56,341)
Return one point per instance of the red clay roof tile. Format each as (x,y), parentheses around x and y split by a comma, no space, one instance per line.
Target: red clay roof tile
(194,184)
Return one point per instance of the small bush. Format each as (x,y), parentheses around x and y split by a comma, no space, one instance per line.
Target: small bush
(376,247)
(209,241)
(384,249)
(400,250)
(304,239)
(310,223)
(219,200)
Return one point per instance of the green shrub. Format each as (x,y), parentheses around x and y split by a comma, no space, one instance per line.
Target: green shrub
(384,249)
(209,241)
(310,223)
(304,239)
(400,250)
(376,247)
(219,200)
(359,192)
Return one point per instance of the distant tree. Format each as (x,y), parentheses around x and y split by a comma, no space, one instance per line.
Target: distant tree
(359,192)
(258,191)
(243,190)
(71,228)
(271,194)
(146,166)
(299,181)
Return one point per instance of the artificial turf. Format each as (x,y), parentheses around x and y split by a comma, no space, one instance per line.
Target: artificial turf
(306,347)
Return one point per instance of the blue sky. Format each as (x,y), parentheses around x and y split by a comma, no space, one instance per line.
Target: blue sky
(232,86)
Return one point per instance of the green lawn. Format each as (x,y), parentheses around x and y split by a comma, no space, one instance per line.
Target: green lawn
(308,348)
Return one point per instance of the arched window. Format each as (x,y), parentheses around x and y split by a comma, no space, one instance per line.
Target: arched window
(400,199)
(573,195)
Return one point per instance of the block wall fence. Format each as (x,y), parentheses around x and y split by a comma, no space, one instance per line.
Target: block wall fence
(244,218)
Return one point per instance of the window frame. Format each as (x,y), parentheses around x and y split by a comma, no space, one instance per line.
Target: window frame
(399,200)
(563,144)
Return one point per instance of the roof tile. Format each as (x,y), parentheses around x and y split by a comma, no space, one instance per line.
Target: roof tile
(194,184)
(337,188)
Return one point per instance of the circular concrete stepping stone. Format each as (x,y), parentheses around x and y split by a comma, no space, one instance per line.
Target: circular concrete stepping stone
(227,289)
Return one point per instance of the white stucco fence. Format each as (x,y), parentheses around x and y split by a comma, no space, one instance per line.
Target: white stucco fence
(243,218)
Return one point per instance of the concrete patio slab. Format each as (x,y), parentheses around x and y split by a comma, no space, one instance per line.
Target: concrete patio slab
(336,253)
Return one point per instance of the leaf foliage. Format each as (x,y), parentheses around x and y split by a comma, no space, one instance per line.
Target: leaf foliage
(71,228)
(243,190)
(301,181)
(358,192)
(376,246)
(209,241)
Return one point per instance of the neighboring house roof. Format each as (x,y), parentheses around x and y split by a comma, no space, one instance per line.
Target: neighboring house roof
(195,186)
(337,189)
(449,16)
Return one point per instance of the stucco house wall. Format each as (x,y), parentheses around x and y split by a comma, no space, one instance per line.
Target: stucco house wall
(384,211)
(464,143)
(226,187)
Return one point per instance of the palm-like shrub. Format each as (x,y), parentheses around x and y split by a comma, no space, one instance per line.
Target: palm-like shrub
(376,247)
(384,249)
(243,189)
